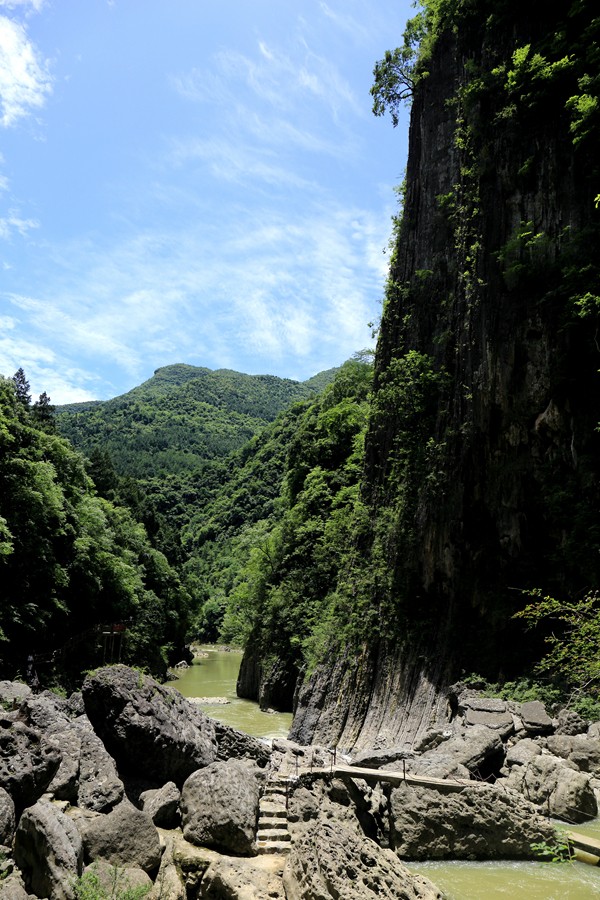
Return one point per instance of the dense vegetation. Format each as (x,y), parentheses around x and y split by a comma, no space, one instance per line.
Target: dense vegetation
(72,562)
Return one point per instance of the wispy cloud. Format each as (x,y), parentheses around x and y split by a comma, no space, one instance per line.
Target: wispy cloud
(13,222)
(25,81)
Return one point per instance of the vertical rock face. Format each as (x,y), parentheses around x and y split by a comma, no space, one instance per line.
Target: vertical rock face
(482,456)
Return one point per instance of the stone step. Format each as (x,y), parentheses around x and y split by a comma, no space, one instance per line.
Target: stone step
(278,848)
(273,834)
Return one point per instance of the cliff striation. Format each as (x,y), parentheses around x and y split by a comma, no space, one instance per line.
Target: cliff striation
(481,459)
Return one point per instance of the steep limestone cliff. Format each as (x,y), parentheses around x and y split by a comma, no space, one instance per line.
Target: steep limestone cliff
(482,464)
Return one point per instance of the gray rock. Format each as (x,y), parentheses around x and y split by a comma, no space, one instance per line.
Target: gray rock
(489,711)
(219,806)
(535,718)
(28,762)
(12,887)
(45,712)
(578,749)
(594,731)
(570,722)
(7,817)
(556,786)
(234,744)
(126,836)
(480,822)
(375,759)
(13,692)
(242,879)
(100,787)
(66,781)
(331,860)
(478,749)
(522,752)
(162,805)
(48,851)
(146,726)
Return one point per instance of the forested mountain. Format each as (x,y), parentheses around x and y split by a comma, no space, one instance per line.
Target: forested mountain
(179,418)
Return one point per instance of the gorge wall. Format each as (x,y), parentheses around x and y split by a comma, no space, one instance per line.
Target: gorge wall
(481,466)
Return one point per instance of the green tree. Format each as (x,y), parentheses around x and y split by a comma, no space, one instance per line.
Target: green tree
(573,658)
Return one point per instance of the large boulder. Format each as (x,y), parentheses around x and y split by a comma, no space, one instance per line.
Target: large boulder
(48,851)
(583,752)
(557,786)
(162,805)
(28,762)
(13,692)
(477,751)
(331,859)
(478,822)
(146,726)
(7,818)
(219,806)
(243,879)
(87,775)
(126,836)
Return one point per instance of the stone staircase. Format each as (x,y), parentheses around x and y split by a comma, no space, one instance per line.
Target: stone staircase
(273,835)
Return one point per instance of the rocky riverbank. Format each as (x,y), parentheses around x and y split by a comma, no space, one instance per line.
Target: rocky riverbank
(128,782)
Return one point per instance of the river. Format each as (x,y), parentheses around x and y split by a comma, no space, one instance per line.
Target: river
(215,675)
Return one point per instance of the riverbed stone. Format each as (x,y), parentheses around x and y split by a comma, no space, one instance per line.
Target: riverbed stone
(478,822)
(535,718)
(162,805)
(48,851)
(147,727)
(28,762)
(244,879)
(570,722)
(578,749)
(331,859)
(219,806)
(478,750)
(234,744)
(126,836)
(557,786)
(7,817)
(13,692)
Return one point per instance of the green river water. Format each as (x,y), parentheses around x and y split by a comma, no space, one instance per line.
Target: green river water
(215,676)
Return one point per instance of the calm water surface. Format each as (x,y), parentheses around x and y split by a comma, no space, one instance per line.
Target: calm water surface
(216,676)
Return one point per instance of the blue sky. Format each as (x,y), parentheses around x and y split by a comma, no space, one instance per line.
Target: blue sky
(191,181)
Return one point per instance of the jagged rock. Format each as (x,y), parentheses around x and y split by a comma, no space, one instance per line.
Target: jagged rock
(146,726)
(535,718)
(570,722)
(162,805)
(45,712)
(333,860)
(243,879)
(594,731)
(578,749)
(479,822)
(489,711)
(28,762)
(66,780)
(219,806)
(557,786)
(126,836)
(376,759)
(182,864)
(234,744)
(7,817)
(12,887)
(48,851)
(100,787)
(13,692)
(522,752)
(477,749)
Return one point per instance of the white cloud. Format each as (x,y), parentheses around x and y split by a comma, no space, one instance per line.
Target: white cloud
(27,5)
(24,78)
(13,222)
